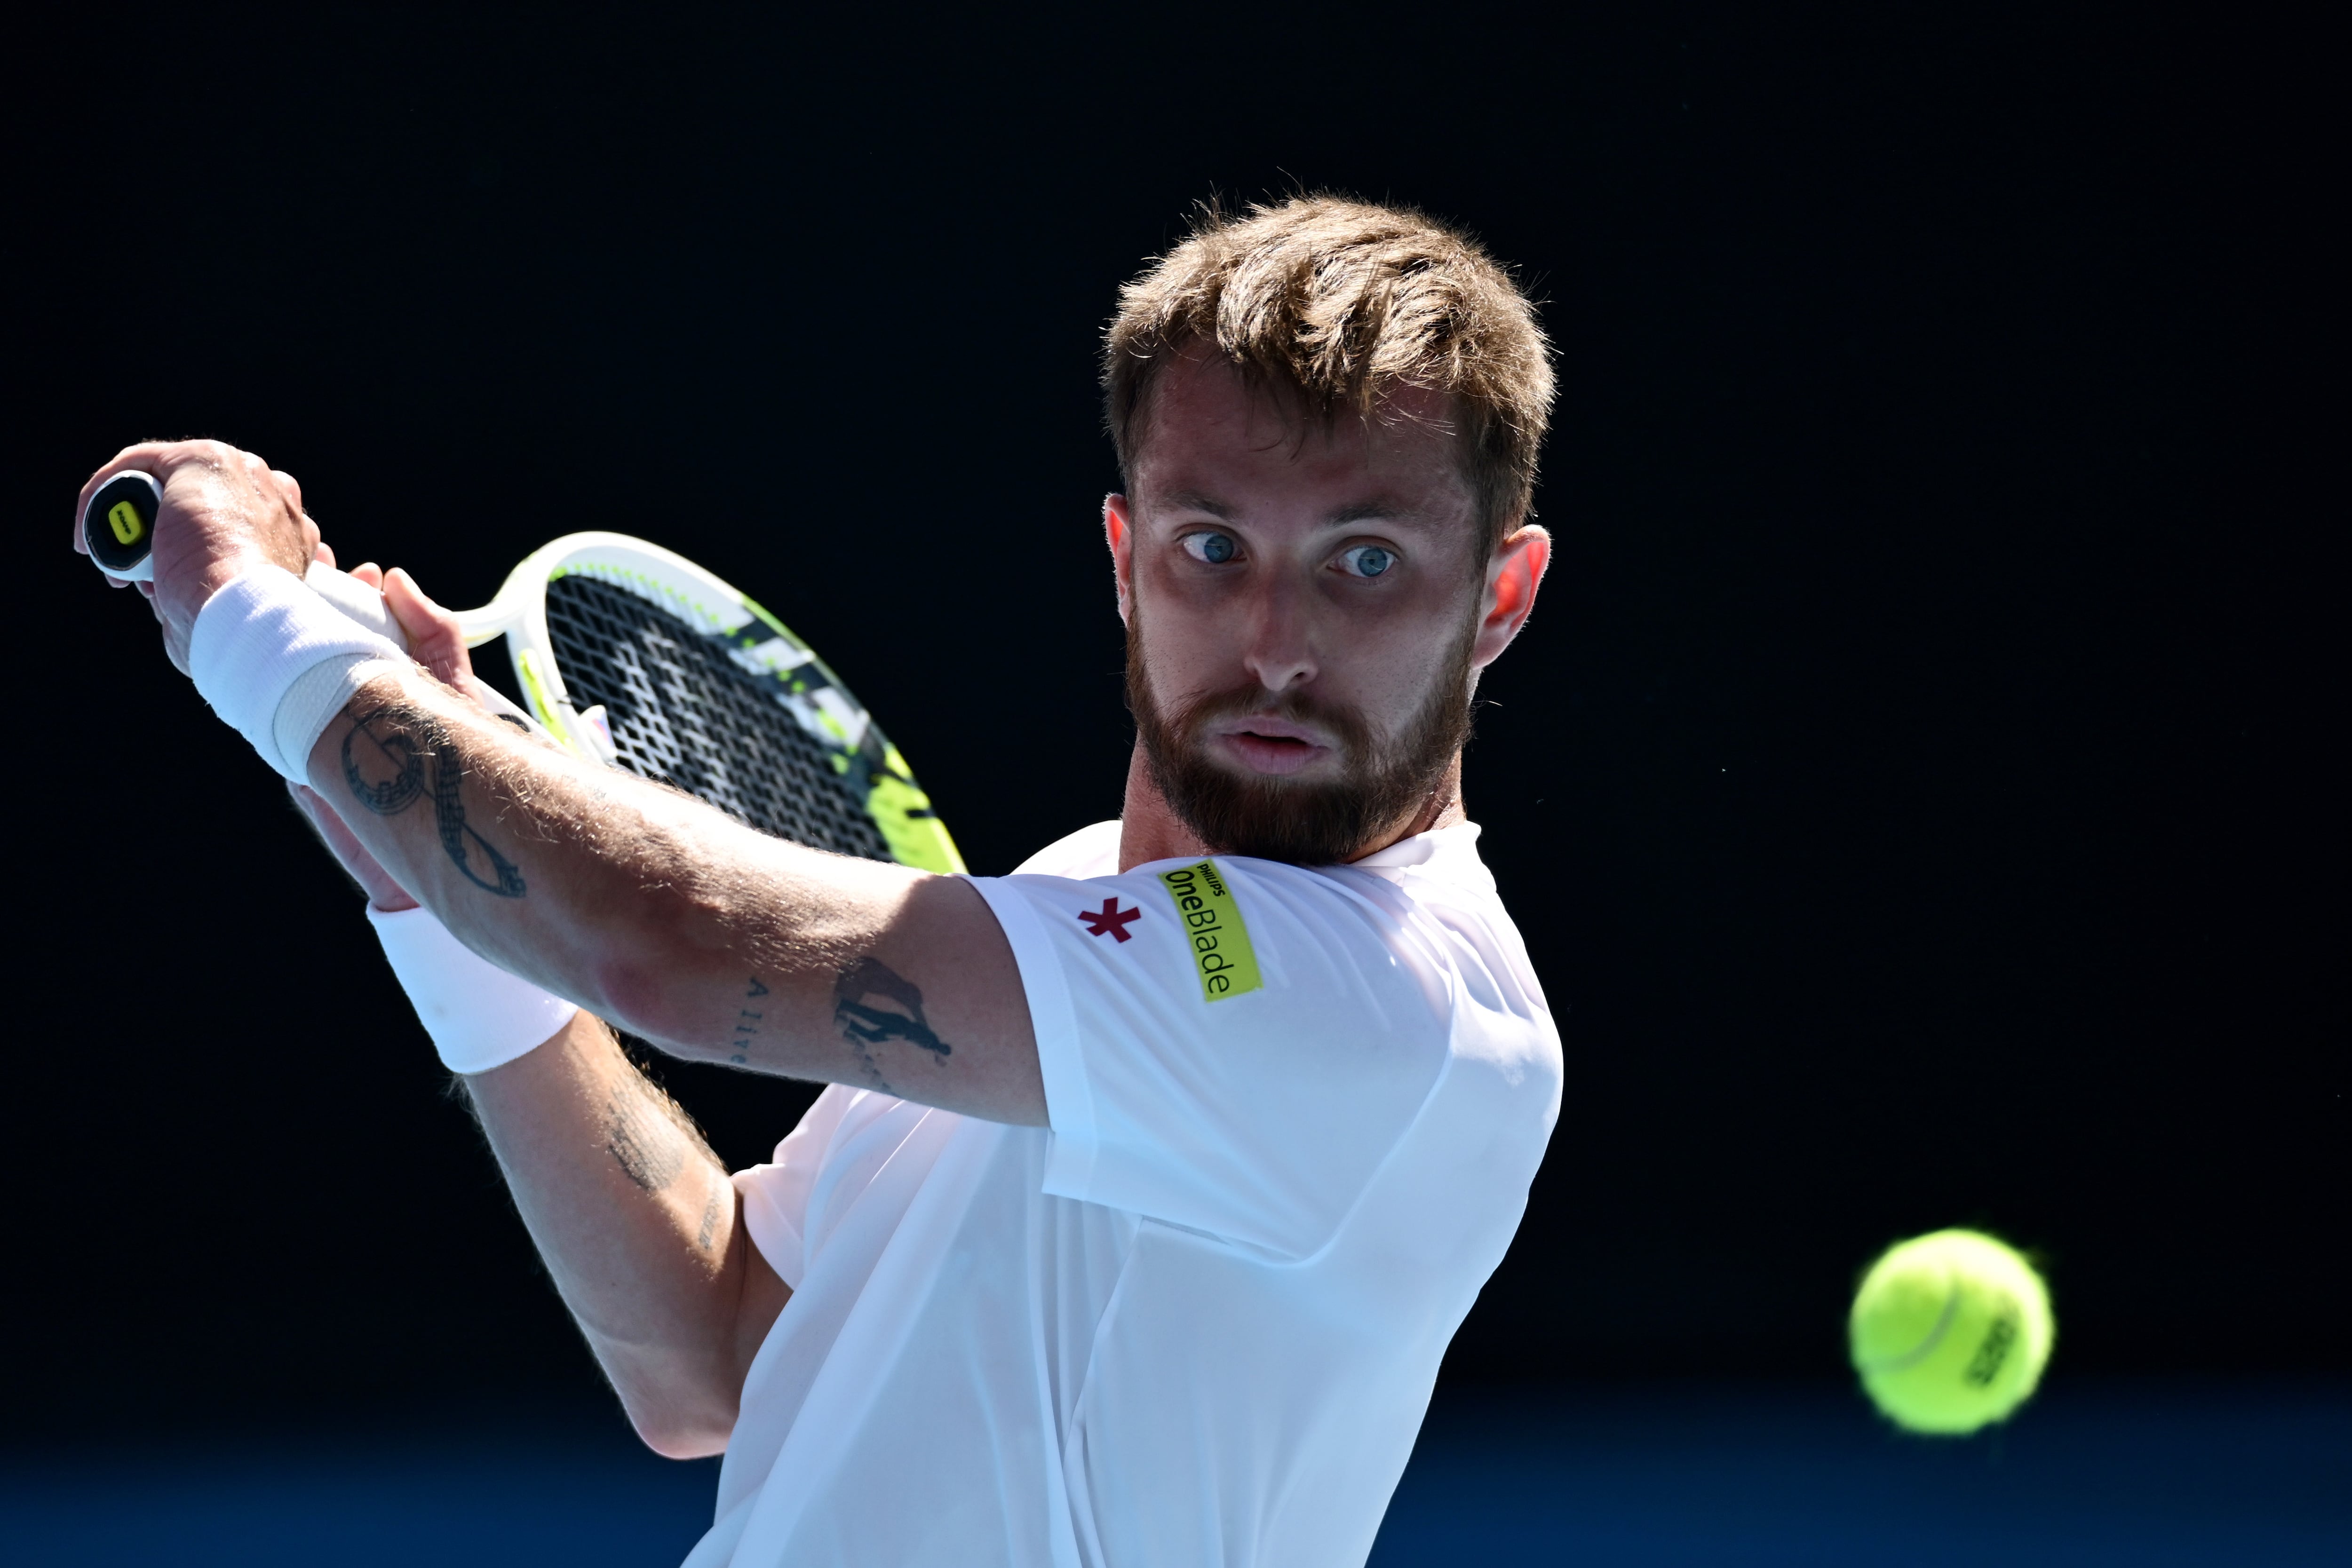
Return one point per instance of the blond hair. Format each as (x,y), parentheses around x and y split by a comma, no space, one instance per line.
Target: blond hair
(1339,301)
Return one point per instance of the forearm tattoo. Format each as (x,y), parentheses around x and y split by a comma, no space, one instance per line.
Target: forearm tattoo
(646,1144)
(864,1024)
(747,1023)
(385,760)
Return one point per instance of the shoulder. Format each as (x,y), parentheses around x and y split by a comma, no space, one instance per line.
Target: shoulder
(1449,930)
(1419,920)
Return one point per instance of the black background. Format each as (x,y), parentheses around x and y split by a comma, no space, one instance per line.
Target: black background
(1913,786)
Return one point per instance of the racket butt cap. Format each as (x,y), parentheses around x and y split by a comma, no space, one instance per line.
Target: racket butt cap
(118,525)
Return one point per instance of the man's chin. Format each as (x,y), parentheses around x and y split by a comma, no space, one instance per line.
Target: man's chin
(1301,817)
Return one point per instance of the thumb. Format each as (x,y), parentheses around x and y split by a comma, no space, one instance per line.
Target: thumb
(434,636)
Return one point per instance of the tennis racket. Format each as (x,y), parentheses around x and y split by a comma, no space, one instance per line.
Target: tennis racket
(633,656)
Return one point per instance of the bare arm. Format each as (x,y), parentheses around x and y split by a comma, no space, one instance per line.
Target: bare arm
(641,1230)
(653,910)
(643,905)
(635,1219)
(625,895)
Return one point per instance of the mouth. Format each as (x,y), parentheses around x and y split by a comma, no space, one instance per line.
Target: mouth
(1264,744)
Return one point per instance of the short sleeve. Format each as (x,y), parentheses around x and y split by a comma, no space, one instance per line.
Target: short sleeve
(1233,1045)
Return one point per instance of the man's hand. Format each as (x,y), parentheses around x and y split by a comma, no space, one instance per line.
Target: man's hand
(225,513)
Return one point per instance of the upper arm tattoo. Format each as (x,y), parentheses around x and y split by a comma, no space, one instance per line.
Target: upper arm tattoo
(864,1024)
(384,762)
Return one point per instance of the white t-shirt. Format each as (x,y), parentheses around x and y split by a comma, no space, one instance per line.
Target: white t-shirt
(1294,1112)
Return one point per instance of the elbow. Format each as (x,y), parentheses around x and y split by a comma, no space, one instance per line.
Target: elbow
(689,1427)
(680,1397)
(638,990)
(682,1442)
(650,962)
(634,995)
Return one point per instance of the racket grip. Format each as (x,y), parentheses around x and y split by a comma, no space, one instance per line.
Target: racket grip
(356,600)
(365,605)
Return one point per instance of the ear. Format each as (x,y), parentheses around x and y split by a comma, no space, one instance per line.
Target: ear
(1118,532)
(1513,575)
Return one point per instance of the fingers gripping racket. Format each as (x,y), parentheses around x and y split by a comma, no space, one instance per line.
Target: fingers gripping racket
(633,656)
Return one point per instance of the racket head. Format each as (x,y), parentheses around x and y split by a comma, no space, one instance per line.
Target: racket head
(635,657)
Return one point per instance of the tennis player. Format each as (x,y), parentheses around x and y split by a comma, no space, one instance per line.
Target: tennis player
(1153,1178)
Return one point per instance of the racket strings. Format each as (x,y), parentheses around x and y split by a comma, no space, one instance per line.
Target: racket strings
(681,710)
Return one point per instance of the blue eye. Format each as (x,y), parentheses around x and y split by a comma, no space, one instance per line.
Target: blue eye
(1214,548)
(1366,560)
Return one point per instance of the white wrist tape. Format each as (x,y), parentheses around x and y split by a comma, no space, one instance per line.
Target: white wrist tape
(316,696)
(479,1015)
(255,641)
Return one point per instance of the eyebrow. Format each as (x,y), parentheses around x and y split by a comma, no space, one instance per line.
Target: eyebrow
(1381,509)
(1193,501)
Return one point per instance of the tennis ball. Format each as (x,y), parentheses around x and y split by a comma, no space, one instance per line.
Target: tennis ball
(1950,1330)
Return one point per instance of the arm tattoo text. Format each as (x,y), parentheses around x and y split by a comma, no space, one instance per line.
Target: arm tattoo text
(747,1024)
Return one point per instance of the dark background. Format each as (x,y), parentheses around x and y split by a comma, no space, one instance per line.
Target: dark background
(1913,789)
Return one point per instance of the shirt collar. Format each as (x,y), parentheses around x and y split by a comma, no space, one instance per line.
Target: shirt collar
(1451,852)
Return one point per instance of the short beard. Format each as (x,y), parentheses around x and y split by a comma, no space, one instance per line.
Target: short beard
(1274,818)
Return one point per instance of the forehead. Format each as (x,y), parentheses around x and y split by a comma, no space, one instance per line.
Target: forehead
(1208,430)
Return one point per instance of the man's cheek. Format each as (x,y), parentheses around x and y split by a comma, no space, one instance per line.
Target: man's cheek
(1185,661)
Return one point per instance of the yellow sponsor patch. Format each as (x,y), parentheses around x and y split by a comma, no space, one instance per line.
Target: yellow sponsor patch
(1222,959)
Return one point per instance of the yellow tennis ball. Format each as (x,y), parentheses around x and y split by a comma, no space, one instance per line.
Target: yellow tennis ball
(1950,1330)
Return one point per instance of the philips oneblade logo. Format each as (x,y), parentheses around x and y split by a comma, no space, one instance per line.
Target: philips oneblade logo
(1222,958)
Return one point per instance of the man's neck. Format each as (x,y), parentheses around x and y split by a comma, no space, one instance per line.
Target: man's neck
(1149,829)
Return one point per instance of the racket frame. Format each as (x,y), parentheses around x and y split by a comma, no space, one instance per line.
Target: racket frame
(757,641)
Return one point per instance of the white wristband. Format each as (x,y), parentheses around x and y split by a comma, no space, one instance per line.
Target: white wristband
(255,641)
(479,1015)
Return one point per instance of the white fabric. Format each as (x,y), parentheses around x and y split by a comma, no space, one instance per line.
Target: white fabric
(255,638)
(316,696)
(478,1015)
(1198,1321)
(356,600)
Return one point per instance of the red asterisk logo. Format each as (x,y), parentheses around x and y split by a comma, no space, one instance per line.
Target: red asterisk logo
(1110,920)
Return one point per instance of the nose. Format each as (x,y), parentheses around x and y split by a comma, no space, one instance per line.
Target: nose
(1280,647)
